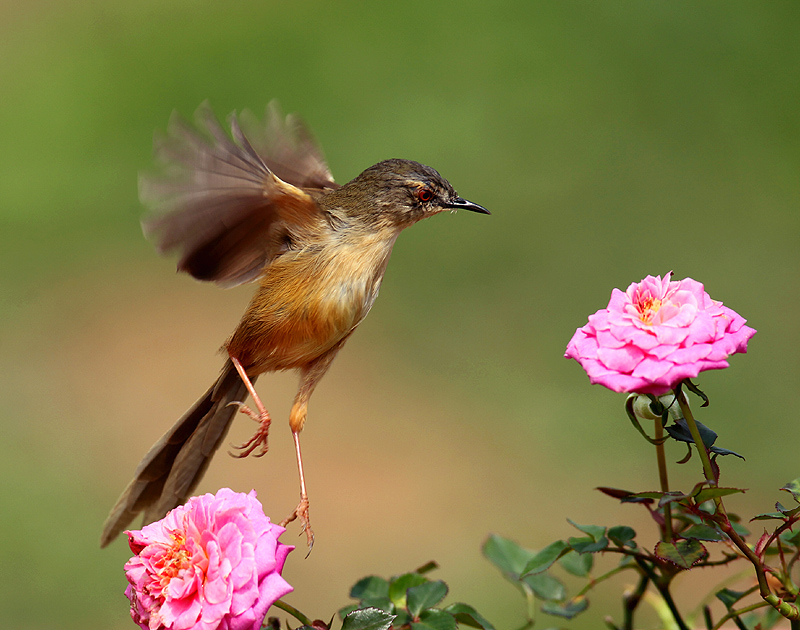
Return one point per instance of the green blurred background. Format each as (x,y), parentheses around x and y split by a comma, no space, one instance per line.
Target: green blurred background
(610,140)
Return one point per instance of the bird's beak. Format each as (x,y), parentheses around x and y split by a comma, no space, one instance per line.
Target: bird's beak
(459,203)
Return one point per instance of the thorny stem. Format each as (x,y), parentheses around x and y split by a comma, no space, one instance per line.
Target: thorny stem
(663,589)
(632,602)
(736,613)
(787,609)
(293,612)
(595,581)
(662,476)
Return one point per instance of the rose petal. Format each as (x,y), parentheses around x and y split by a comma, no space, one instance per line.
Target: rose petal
(220,559)
(656,334)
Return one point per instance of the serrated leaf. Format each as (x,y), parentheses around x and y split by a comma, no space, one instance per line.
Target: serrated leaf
(671,497)
(729,597)
(790,538)
(577,564)
(650,494)
(787,511)
(793,487)
(546,587)
(682,553)
(624,496)
(706,494)
(402,619)
(467,615)
(615,493)
(368,619)
(507,555)
(400,584)
(545,558)
(425,596)
(724,451)
(703,532)
(568,610)
(595,532)
(587,545)
(382,603)
(621,534)
(768,516)
(371,586)
(680,432)
(346,610)
(435,620)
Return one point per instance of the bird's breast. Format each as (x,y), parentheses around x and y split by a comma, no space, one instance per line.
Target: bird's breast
(308,301)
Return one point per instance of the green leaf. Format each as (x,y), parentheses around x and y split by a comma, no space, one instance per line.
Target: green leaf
(682,553)
(696,391)
(729,597)
(787,511)
(400,584)
(625,496)
(435,620)
(466,614)
(507,555)
(402,619)
(793,487)
(568,609)
(680,431)
(368,587)
(711,493)
(368,619)
(577,563)
(595,532)
(768,516)
(703,532)
(648,495)
(382,603)
(546,587)
(621,534)
(346,610)
(587,545)
(790,537)
(425,596)
(545,558)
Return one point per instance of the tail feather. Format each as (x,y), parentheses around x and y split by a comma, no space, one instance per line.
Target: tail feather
(175,464)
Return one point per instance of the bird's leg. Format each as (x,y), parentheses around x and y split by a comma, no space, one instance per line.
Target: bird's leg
(309,377)
(259,440)
(301,511)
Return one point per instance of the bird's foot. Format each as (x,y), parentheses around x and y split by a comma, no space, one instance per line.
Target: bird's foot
(260,438)
(301,512)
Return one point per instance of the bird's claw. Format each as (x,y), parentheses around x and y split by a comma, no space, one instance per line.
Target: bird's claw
(301,512)
(260,438)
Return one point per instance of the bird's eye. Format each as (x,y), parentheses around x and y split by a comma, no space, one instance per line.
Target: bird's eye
(425,195)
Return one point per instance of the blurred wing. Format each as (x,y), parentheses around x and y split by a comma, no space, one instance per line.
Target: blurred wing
(288,149)
(219,205)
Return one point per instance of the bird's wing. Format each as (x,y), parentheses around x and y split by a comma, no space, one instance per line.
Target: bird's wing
(287,148)
(222,205)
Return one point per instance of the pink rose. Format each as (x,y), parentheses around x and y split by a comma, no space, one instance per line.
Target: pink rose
(214,562)
(655,335)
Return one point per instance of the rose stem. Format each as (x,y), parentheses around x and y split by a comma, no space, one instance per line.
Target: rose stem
(662,476)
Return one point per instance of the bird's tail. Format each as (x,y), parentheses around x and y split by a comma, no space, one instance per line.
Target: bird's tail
(175,464)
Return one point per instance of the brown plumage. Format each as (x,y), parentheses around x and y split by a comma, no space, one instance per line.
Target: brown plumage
(263,206)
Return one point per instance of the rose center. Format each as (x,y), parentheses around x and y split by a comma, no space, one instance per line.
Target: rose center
(175,558)
(647,308)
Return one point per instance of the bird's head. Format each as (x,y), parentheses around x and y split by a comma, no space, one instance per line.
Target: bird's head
(396,193)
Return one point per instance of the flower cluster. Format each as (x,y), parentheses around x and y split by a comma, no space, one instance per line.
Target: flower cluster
(213,563)
(656,334)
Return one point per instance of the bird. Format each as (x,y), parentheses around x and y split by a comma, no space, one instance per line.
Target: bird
(259,204)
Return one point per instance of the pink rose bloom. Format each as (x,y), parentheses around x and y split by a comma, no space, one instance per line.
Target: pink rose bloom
(656,334)
(214,562)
